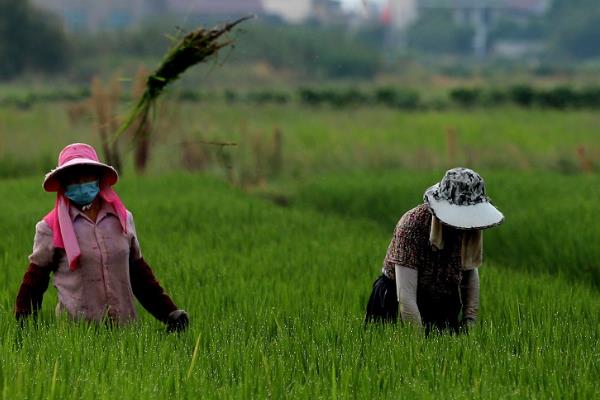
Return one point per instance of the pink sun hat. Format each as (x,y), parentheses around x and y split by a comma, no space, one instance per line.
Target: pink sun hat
(78,154)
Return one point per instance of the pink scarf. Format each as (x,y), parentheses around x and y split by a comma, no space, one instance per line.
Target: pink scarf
(59,220)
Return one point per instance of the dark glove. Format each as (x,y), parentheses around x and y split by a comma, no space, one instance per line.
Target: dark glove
(178,321)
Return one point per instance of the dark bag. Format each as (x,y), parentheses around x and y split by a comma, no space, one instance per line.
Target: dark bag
(383,304)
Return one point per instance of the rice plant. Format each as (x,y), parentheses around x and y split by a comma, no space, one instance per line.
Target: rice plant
(197,46)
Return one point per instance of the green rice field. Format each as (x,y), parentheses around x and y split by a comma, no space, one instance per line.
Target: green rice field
(276,290)
(276,297)
(321,140)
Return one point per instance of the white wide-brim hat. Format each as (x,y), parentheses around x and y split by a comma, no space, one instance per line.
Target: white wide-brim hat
(477,216)
(459,200)
(77,155)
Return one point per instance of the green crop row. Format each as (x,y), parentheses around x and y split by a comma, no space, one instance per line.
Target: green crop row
(563,97)
(548,216)
(318,140)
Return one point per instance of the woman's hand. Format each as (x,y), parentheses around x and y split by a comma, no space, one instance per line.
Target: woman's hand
(178,321)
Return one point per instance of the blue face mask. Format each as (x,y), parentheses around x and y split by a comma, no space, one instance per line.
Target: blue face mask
(82,193)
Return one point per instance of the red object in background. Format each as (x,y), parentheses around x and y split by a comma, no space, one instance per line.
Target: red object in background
(386,15)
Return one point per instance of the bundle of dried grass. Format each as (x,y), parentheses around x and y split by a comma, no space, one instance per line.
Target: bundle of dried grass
(141,132)
(104,102)
(196,47)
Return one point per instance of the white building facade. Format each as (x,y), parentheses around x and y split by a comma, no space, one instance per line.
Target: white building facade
(294,11)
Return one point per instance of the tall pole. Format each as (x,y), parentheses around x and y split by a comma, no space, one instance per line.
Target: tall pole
(481,21)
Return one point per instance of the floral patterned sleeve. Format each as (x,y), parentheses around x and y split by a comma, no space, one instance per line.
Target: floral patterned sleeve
(406,244)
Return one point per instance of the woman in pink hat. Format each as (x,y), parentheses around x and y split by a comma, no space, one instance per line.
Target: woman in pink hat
(89,242)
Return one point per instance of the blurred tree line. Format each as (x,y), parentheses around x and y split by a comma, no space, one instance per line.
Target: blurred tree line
(311,49)
(33,41)
(574,28)
(434,32)
(570,29)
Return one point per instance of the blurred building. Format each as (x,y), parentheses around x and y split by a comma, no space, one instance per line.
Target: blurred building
(294,11)
(96,15)
(298,11)
(226,8)
(480,14)
(327,11)
(90,15)
(400,14)
(528,7)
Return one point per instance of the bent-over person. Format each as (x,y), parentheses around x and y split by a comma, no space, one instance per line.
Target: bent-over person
(431,266)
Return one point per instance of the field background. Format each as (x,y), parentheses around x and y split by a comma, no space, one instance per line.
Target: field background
(273,250)
(318,140)
(277,171)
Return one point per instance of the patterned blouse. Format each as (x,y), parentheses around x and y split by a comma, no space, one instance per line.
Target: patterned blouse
(440,271)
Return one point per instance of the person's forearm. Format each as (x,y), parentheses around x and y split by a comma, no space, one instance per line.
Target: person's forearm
(470,295)
(148,290)
(32,289)
(406,286)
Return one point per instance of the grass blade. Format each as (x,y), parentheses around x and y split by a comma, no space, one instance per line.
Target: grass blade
(194,356)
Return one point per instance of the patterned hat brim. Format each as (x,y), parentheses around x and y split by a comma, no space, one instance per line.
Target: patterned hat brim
(477,216)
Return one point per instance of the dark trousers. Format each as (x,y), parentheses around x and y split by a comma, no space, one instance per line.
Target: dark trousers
(438,313)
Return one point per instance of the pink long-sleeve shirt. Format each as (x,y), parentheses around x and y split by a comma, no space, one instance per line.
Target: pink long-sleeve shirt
(100,287)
